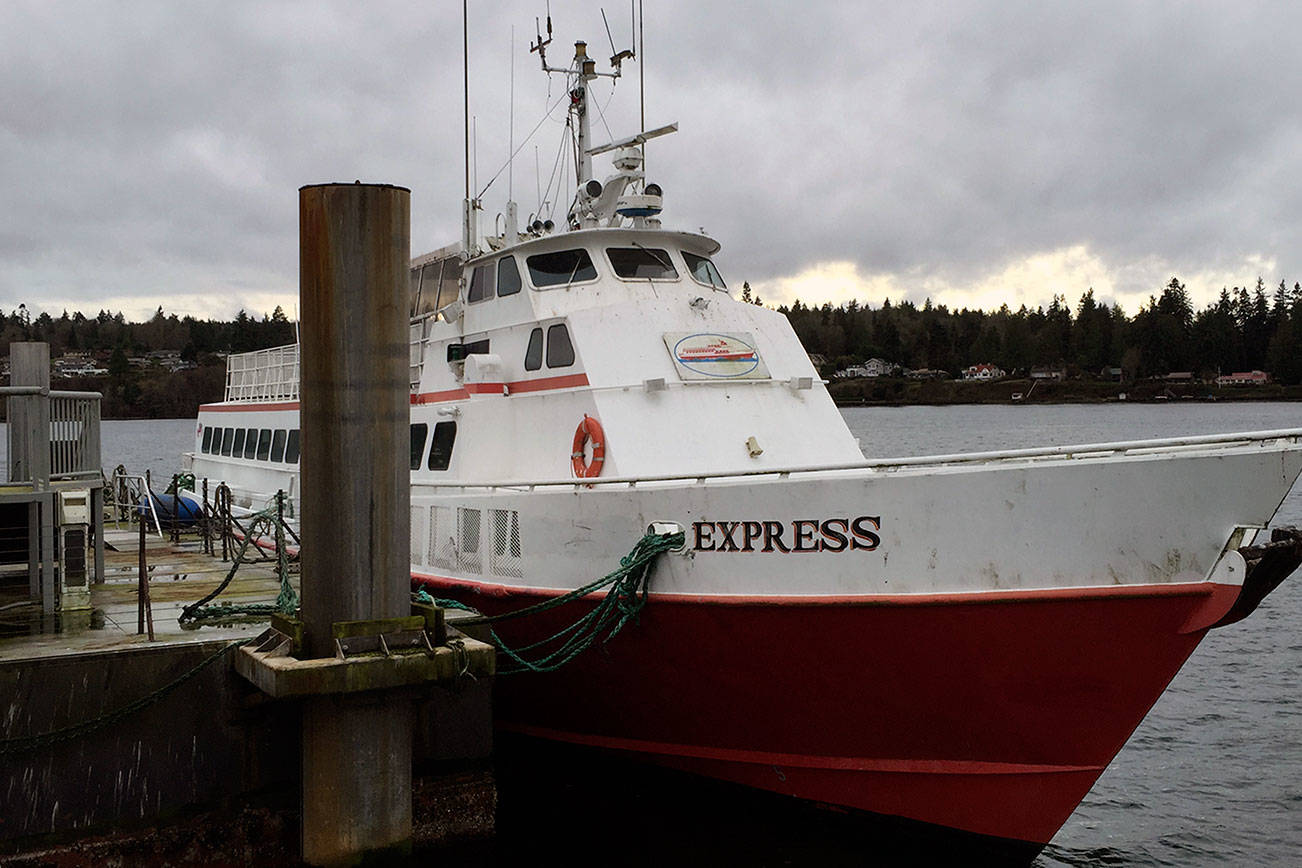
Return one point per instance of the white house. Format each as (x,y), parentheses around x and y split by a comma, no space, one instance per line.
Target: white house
(983,371)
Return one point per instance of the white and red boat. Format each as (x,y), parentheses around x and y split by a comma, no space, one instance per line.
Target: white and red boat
(962,640)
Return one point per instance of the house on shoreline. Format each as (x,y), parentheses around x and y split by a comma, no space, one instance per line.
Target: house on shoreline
(1244,378)
(984,371)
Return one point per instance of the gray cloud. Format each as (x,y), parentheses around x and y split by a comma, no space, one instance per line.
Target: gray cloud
(153,150)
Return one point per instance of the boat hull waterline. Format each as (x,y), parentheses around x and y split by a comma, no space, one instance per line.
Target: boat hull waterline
(992,715)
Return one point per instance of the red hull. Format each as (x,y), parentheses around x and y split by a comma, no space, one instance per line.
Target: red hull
(991,713)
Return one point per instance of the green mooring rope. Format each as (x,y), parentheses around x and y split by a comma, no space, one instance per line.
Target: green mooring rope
(181,480)
(628,587)
(268,520)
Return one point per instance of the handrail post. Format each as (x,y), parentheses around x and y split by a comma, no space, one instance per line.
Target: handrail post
(29,415)
(206,514)
(144,611)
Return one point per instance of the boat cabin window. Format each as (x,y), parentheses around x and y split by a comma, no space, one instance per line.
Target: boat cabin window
(278,446)
(207,440)
(228,437)
(703,271)
(480,281)
(560,268)
(418,433)
(264,444)
(641,263)
(508,276)
(414,292)
(560,351)
(533,355)
(291,447)
(440,451)
(237,449)
(251,443)
(438,285)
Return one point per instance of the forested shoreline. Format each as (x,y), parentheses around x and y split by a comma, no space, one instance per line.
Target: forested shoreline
(1242,330)
(163,368)
(1092,346)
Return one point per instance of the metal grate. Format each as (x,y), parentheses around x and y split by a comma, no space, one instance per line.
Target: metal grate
(505,553)
(442,542)
(74,557)
(418,514)
(469,559)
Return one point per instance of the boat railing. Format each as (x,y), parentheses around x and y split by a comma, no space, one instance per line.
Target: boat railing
(417,339)
(51,436)
(263,375)
(887,465)
(131,492)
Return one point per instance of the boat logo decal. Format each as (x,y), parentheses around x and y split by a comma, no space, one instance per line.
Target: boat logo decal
(709,355)
(800,535)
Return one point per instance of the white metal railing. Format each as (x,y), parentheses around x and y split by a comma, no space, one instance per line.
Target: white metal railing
(263,375)
(416,341)
(51,435)
(1078,452)
(127,492)
(74,434)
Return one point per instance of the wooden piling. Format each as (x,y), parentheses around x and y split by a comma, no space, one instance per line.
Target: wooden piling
(354,254)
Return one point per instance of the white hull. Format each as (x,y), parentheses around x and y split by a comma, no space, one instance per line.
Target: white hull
(995,524)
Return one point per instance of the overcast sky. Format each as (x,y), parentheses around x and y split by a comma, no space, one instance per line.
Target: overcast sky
(974,153)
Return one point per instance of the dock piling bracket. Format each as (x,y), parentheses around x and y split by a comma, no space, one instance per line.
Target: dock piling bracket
(384,654)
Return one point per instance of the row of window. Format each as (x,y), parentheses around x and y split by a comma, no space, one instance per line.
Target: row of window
(564,267)
(282,446)
(258,444)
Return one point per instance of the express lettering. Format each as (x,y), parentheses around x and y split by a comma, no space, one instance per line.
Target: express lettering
(790,537)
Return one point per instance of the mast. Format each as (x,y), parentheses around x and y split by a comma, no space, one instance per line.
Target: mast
(467,204)
(585,71)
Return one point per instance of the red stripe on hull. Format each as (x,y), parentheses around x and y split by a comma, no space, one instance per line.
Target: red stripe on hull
(992,715)
(537,384)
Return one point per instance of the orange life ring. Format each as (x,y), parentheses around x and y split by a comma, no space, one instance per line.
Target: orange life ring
(589,429)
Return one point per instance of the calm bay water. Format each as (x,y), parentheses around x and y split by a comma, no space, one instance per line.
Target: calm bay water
(1214,774)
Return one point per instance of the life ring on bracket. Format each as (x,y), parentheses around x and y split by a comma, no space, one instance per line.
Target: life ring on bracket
(589,429)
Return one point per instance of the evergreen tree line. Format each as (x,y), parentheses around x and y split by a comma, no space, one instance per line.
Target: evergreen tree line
(109,332)
(1242,330)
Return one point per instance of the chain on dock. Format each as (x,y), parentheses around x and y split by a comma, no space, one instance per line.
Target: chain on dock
(627,595)
(268,521)
(28,743)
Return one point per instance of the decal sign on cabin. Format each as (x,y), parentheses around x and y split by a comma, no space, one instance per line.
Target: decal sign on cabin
(715,356)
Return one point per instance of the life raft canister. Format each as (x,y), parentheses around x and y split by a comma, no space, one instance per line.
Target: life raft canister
(589,429)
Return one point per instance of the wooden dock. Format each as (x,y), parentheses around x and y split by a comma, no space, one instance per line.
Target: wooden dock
(105,735)
(179,574)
